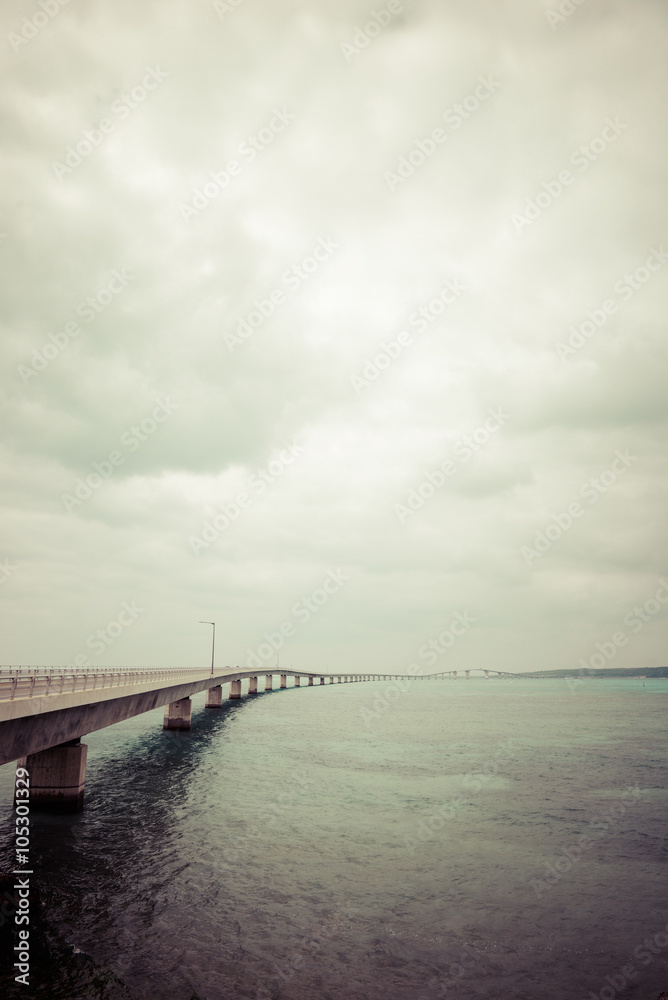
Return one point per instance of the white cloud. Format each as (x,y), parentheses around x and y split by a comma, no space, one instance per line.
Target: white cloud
(322,177)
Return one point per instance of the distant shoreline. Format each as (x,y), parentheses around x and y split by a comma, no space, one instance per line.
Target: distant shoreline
(600,672)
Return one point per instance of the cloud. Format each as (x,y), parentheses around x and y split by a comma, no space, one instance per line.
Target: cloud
(115,298)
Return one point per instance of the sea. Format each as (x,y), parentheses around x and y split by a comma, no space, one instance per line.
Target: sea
(484,839)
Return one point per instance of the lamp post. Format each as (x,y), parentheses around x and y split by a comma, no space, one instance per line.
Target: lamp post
(213,644)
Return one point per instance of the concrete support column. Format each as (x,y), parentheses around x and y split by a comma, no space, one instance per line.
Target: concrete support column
(177,714)
(58,777)
(298,682)
(487,675)
(252,685)
(331,680)
(322,680)
(339,681)
(310,682)
(468,675)
(214,697)
(284,680)
(268,680)
(235,690)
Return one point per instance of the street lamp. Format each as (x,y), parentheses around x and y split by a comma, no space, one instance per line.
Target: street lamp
(213,644)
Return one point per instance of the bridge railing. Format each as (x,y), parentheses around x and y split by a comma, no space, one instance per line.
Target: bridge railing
(34,682)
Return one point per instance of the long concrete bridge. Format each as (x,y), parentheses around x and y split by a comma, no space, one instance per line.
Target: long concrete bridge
(44,711)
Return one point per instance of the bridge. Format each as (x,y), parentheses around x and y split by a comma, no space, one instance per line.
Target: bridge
(44,711)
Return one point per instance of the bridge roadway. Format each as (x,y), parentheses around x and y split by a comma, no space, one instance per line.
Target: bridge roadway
(44,711)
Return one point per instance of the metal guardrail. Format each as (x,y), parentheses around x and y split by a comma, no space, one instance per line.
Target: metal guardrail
(34,682)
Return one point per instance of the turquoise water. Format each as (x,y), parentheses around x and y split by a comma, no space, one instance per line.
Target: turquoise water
(471,839)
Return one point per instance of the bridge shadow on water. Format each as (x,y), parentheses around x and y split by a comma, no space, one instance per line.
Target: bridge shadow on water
(108,871)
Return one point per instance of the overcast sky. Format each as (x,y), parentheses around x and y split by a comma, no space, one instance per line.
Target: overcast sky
(357,356)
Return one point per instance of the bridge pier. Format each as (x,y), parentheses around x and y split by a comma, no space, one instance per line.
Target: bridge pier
(339,680)
(468,675)
(298,681)
(310,682)
(214,697)
(177,714)
(322,680)
(284,681)
(268,682)
(252,685)
(235,690)
(487,675)
(331,680)
(58,777)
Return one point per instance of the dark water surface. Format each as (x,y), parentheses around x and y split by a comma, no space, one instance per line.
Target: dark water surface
(475,839)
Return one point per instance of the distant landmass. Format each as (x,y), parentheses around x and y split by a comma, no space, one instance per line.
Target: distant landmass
(601,672)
